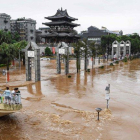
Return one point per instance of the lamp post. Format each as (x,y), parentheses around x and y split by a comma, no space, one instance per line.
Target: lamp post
(107,96)
(4,72)
(96,49)
(98,111)
(19,60)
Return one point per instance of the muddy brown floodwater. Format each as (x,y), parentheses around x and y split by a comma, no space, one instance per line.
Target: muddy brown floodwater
(62,108)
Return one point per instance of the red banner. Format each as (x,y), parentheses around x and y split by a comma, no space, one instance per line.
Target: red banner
(53,50)
(72,51)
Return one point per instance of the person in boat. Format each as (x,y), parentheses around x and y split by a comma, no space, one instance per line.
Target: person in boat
(13,96)
(18,96)
(7,95)
(0,98)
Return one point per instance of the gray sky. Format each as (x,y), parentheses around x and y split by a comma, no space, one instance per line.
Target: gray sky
(113,14)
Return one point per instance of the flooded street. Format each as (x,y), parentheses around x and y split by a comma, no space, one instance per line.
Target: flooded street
(62,108)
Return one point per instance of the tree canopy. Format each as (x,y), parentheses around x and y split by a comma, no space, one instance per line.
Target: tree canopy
(9,48)
(48,51)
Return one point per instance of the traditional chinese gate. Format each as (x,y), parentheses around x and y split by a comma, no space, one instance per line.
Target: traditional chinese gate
(32,52)
(63,49)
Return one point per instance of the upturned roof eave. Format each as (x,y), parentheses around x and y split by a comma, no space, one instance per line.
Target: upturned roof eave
(60,23)
(59,35)
(56,17)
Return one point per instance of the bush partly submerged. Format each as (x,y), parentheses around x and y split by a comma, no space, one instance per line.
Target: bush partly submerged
(88,70)
(117,62)
(125,59)
(69,76)
(111,64)
(101,67)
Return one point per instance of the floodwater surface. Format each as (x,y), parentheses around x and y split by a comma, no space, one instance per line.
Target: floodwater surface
(62,108)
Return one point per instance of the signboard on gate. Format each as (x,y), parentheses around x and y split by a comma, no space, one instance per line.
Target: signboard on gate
(107,97)
(115,45)
(122,45)
(31,54)
(61,51)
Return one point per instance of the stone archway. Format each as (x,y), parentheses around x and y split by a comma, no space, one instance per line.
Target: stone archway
(63,49)
(115,49)
(128,47)
(32,51)
(122,49)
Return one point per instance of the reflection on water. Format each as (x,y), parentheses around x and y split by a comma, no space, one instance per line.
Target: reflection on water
(68,109)
(37,90)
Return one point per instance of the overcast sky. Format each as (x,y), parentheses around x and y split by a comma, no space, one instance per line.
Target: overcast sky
(114,14)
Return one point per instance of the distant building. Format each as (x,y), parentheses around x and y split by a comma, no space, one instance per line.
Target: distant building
(26,28)
(5,22)
(95,34)
(41,31)
(61,28)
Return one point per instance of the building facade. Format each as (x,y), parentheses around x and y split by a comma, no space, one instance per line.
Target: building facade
(93,33)
(5,22)
(26,28)
(41,32)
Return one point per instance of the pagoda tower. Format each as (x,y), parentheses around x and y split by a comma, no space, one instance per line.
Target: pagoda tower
(61,28)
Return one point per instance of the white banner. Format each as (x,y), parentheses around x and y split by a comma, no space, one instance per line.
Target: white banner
(61,51)
(115,45)
(107,97)
(31,54)
(122,45)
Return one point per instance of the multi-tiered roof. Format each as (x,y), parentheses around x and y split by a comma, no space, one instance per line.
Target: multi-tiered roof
(61,28)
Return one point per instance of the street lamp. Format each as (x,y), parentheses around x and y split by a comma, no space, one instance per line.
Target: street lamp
(19,60)
(107,96)
(98,110)
(96,46)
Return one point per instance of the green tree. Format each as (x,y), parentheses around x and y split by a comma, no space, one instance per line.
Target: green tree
(77,52)
(5,37)
(8,53)
(15,37)
(48,51)
(92,49)
(85,51)
(106,42)
(18,48)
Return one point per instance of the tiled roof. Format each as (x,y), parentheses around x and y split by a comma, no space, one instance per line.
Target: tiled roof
(61,14)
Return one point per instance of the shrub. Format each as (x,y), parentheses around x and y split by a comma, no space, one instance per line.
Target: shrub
(125,59)
(117,62)
(88,70)
(69,76)
(101,67)
(111,64)
(48,51)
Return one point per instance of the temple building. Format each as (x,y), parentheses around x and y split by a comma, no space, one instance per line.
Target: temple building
(61,28)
